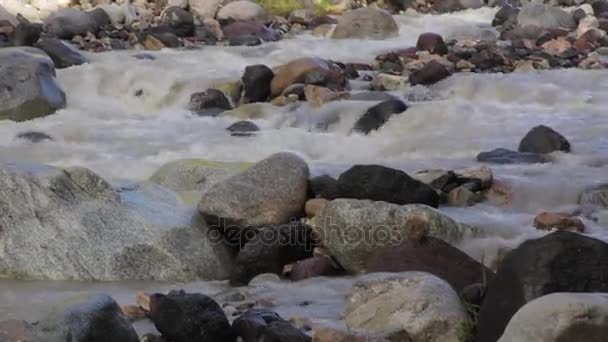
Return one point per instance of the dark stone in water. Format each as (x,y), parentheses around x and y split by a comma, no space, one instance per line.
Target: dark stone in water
(245,40)
(559,262)
(543,139)
(100,17)
(144,56)
(378,115)
(34,137)
(373,96)
(324,187)
(505,156)
(431,42)
(179,21)
(256,81)
(168,39)
(62,54)
(431,73)
(209,103)
(381,183)
(251,324)
(26,33)
(326,78)
(189,317)
(242,129)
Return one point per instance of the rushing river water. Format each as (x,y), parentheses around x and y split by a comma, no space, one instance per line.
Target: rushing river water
(109,129)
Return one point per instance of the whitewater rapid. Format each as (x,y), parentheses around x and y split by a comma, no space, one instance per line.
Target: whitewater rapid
(120,135)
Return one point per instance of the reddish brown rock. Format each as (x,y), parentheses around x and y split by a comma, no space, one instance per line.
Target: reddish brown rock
(317,95)
(143,300)
(313,206)
(432,42)
(294,72)
(549,221)
(431,73)
(134,312)
(582,45)
(557,46)
(312,267)
(433,256)
(500,193)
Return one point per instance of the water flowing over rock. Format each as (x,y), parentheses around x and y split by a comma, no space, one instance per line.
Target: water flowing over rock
(355,230)
(366,23)
(62,54)
(69,22)
(29,88)
(504,156)
(376,116)
(560,317)
(271,192)
(64,211)
(559,262)
(97,318)
(419,303)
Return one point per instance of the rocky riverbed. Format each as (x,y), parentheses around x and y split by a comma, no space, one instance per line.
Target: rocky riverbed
(206,170)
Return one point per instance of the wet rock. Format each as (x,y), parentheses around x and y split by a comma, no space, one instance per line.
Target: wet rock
(245,30)
(330,79)
(179,21)
(69,22)
(388,82)
(317,96)
(166,39)
(100,17)
(26,33)
(376,116)
(432,42)
(283,331)
(188,317)
(545,16)
(97,318)
(271,192)
(430,73)
(63,54)
(14,330)
(294,72)
(242,129)
(153,43)
(549,221)
(434,256)
(543,139)
(134,313)
(242,10)
(251,324)
(438,179)
(34,136)
(29,88)
(313,206)
(481,176)
(560,317)
(474,293)
(380,183)
(269,251)
(355,230)
(419,303)
(559,262)
(204,8)
(324,187)
(312,267)
(245,40)
(372,96)
(209,103)
(135,243)
(366,23)
(463,196)
(505,156)
(256,81)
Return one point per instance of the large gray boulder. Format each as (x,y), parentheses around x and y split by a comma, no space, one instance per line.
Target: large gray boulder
(560,317)
(93,319)
(366,23)
(271,192)
(69,22)
(242,10)
(28,86)
(71,224)
(204,8)
(355,230)
(423,305)
(545,16)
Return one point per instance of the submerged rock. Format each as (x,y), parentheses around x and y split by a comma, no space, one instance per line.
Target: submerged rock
(559,262)
(419,303)
(65,209)
(242,129)
(560,317)
(543,139)
(34,136)
(29,87)
(505,156)
(63,54)
(355,230)
(97,318)
(365,23)
(210,102)
(376,116)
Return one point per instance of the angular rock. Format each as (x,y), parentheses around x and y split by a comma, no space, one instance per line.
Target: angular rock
(251,324)
(505,156)
(294,72)
(354,230)
(560,317)
(380,183)
(271,192)
(69,22)
(179,21)
(545,16)
(65,209)
(366,23)
(543,139)
(419,303)
(242,129)
(29,88)
(63,54)
(242,10)
(189,317)
(559,262)
(433,256)
(431,42)
(97,318)
(388,82)
(256,81)
(431,73)
(549,221)
(210,102)
(376,116)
